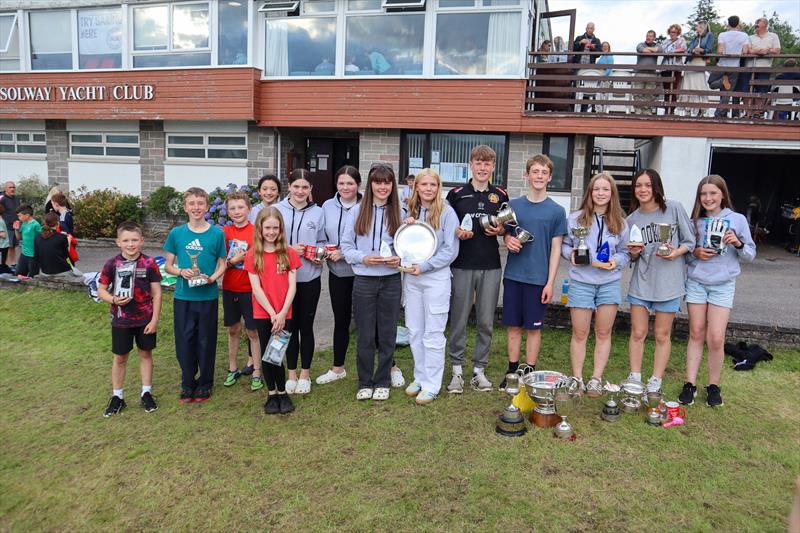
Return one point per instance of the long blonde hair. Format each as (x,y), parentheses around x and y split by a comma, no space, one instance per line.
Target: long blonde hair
(718,181)
(280,242)
(614,214)
(437,206)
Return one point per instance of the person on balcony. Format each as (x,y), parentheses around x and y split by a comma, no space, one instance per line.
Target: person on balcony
(588,42)
(559,48)
(789,63)
(695,80)
(648,57)
(606,59)
(733,42)
(762,43)
(546,47)
(674,44)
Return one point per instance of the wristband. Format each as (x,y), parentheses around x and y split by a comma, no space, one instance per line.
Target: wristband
(739,247)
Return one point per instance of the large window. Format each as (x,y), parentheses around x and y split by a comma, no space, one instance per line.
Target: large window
(232,33)
(207,146)
(301,46)
(104,144)
(478,44)
(448,154)
(51,40)
(384,45)
(22,142)
(559,149)
(174,35)
(100,38)
(9,42)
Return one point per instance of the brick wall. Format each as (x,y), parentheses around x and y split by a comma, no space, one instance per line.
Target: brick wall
(379,146)
(260,153)
(520,148)
(151,155)
(57,153)
(578,170)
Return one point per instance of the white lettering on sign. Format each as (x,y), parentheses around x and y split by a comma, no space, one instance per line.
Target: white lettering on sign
(78,93)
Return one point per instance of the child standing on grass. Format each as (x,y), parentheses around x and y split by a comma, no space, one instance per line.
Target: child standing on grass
(531,266)
(237,296)
(269,189)
(723,240)
(595,288)
(272,268)
(135,284)
(26,229)
(196,254)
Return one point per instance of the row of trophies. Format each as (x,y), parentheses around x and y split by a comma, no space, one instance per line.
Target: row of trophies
(505,217)
(550,397)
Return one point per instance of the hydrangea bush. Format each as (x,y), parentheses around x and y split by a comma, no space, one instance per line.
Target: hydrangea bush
(217,210)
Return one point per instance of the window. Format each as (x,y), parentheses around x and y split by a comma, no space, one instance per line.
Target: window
(384,45)
(9,42)
(207,146)
(300,46)
(560,149)
(100,38)
(175,35)
(104,144)
(51,40)
(232,34)
(477,43)
(22,142)
(448,154)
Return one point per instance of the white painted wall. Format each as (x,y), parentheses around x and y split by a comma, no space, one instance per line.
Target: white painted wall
(125,177)
(682,162)
(209,177)
(16,169)
(562,199)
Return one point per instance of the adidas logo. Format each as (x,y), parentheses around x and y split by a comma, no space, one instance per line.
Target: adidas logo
(195,245)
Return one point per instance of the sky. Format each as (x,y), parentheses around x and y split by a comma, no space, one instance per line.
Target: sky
(623,23)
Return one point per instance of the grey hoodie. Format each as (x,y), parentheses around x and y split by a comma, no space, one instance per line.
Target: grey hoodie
(723,267)
(356,247)
(655,279)
(447,242)
(335,218)
(304,226)
(616,245)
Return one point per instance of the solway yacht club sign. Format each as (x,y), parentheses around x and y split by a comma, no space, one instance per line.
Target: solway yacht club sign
(77,93)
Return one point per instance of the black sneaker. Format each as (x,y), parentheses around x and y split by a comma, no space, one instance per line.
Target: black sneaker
(249,369)
(502,386)
(687,395)
(202,395)
(272,406)
(714,396)
(286,404)
(187,396)
(115,405)
(148,403)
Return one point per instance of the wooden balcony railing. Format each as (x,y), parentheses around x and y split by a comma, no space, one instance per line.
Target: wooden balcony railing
(668,92)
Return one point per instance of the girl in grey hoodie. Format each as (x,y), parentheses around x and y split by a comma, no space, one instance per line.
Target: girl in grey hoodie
(722,240)
(305,225)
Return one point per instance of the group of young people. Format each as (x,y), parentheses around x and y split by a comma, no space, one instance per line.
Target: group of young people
(270,263)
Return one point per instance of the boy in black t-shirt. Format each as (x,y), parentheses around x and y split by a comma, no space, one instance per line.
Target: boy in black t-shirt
(131,283)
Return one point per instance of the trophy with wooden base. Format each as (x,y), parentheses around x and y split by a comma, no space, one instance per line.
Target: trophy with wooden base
(602,257)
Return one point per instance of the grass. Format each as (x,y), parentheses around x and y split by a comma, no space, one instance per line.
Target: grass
(336,464)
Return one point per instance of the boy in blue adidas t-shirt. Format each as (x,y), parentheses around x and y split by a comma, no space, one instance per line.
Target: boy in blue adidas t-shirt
(196,254)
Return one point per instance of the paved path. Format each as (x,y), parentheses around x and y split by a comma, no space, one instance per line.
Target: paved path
(767,291)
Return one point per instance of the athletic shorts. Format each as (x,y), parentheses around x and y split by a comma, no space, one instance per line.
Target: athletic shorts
(667,306)
(592,295)
(236,305)
(720,295)
(522,305)
(122,340)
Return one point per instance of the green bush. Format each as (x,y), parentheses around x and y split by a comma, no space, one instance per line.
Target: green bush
(165,201)
(98,213)
(32,191)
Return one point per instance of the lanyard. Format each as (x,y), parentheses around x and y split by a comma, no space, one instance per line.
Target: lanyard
(601,223)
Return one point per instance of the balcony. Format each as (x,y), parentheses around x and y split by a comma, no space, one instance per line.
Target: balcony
(660,93)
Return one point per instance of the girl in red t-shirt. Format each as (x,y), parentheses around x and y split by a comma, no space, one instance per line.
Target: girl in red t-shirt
(272,269)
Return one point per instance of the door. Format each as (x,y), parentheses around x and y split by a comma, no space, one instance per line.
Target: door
(319,162)
(557,27)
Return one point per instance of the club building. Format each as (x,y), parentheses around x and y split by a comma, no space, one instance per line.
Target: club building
(138,94)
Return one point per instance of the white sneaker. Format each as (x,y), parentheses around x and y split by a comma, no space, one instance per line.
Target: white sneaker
(653,384)
(331,376)
(456,384)
(413,389)
(480,382)
(397,378)
(291,386)
(303,386)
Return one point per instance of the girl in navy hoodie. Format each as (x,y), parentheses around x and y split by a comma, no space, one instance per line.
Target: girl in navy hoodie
(305,225)
(723,240)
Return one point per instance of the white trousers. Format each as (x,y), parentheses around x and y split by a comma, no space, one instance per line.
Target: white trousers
(427,303)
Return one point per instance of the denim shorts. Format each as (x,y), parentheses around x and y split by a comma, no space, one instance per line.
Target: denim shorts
(590,295)
(720,295)
(668,306)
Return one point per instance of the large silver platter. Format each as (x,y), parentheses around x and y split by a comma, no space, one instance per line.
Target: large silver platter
(545,379)
(415,242)
(633,387)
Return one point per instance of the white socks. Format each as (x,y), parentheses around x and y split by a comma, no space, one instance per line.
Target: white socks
(117,393)
(147,388)
(477,370)
(635,375)
(457,369)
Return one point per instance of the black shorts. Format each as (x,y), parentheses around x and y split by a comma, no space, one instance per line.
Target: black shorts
(236,305)
(122,340)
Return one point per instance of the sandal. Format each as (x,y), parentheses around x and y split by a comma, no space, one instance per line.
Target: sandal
(381,393)
(364,394)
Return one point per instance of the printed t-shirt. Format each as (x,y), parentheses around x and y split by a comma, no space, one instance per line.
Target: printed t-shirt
(208,246)
(131,277)
(275,284)
(236,240)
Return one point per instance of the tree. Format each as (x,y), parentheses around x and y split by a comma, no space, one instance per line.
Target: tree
(704,11)
(789,37)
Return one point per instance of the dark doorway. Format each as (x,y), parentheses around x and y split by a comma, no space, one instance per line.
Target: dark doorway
(324,156)
(761,183)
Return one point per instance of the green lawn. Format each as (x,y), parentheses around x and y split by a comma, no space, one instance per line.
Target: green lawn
(336,464)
